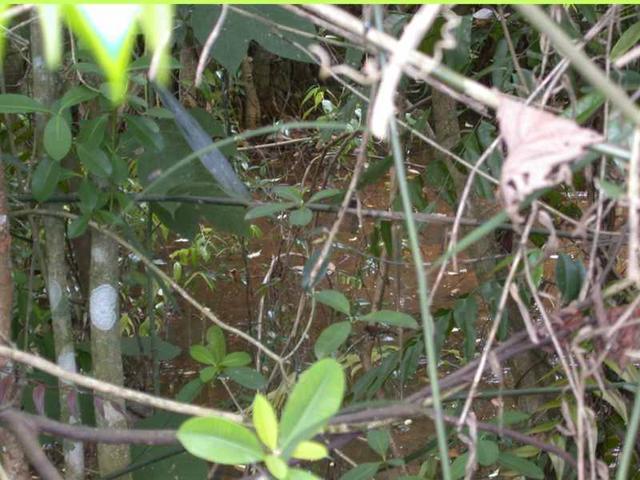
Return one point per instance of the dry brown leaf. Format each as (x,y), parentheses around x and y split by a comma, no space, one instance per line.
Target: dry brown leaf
(540,146)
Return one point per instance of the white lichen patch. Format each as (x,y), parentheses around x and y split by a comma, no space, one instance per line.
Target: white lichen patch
(3,219)
(55,294)
(98,255)
(102,307)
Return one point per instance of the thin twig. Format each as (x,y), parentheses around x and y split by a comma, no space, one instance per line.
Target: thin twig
(211,39)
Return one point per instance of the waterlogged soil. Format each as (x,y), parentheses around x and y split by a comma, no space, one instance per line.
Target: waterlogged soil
(236,299)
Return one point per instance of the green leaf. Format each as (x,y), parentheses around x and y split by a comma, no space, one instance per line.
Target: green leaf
(627,40)
(15,103)
(276,466)
(159,112)
(311,451)
(267,210)
(323,194)
(247,377)
(146,132)
(216,342)
(390,318)
(458,466)
(569,276)
(300,217)
(611,190)
(57,137)
(378,440)
(335,300)
(88,194)
(208,373)
(520,465)
(95,161)
(465,314)
(364,471)
(315,398)
(297,474)
(236,359)
(288,193)
(487,452)
(45,179)
(92,132)
(76,95)
(78,226)
(202,354)
(220,441)
(265,421)
(331,339)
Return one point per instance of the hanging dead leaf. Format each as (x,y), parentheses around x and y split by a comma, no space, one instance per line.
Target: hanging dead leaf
(540,147)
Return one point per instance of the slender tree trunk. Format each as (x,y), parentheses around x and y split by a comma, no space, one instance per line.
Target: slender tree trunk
(11,453)
(45,85)
(105,346)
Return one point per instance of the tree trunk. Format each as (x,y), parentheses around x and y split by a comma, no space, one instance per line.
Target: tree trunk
(105,346)
(45,85)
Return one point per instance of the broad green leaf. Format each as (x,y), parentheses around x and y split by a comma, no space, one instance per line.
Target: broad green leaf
(298,474)
(216,342)
(78,226)
(236,359)
(208,373)
(88,194)
(289,193)
(247,377)
(390,318)
(220,441)
(364,471)
(331,339)
(76,95)
(334,299)
(610,189)
(92,131)
(458,466)
(267,210)
(626,41)
(146,132)
(202,354)
(16,103)
(45,179)
(378,440)
(315,398)
(520,465)
(57,137)
(569,276)
(323,194)
(311,451)
(487,452)
(300,217)
(276,466)
(95,161)
(283,44)
(160,112)
(265,421)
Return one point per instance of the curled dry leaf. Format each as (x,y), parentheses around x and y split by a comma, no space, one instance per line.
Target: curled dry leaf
(540,147)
